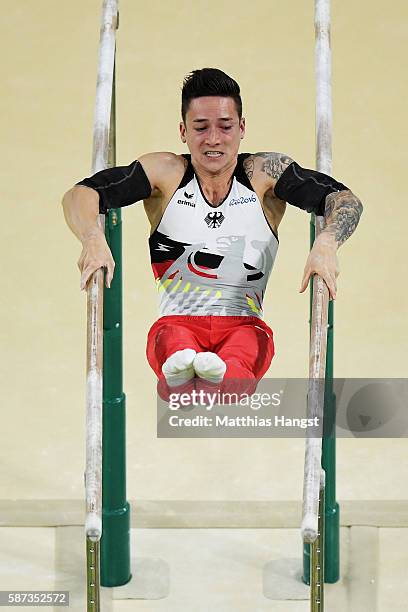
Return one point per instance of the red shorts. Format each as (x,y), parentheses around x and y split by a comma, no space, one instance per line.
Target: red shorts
(245,344)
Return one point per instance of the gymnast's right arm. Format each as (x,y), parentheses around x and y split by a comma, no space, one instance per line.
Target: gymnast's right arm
(110,188)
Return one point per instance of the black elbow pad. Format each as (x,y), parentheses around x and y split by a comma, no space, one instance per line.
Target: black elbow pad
(306,189)
(119,186)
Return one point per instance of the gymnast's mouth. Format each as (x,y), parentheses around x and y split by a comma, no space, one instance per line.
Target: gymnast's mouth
(213,153)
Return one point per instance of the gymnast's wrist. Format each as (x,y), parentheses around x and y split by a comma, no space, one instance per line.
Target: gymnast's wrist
(326,239)
(94,233)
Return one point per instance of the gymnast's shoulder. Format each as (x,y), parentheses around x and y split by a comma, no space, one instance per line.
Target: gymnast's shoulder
(265,168)
(163,169)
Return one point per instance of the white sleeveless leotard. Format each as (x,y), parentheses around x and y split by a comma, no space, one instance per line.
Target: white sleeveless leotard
(213,260)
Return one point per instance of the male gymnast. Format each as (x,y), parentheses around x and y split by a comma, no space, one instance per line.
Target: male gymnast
(214,215)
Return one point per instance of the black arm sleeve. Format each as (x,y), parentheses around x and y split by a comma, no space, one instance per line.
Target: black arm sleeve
(119,186)
(306,189)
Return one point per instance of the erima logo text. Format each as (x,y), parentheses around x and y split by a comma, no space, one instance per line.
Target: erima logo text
(192,204)
(242,200)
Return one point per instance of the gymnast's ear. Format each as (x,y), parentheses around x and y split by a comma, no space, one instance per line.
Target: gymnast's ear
(242,127)
(183,132)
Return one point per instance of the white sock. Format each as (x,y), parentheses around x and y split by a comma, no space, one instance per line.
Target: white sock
(209,366)
(178,368)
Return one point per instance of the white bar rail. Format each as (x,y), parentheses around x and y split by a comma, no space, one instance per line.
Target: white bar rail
(93,473)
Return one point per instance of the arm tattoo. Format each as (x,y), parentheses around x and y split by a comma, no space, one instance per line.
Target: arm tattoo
(274,163)
(249,167)
(342,214)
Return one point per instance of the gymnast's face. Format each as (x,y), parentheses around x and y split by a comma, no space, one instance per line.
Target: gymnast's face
(213,132)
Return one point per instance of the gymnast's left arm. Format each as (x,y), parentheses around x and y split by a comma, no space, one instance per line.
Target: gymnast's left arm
(319,193)
(342,213)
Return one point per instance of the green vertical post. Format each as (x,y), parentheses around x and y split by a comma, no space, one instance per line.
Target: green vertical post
(115,541)
(332,509)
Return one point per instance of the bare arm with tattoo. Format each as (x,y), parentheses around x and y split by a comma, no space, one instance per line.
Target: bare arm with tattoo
(315,192)
(342,213)
(274,164)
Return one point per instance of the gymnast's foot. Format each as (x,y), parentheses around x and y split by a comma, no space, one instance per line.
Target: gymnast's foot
(178,368)
(209,367)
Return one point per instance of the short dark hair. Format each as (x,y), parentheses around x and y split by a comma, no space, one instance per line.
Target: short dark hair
(209,82)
